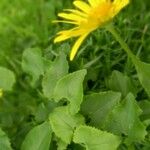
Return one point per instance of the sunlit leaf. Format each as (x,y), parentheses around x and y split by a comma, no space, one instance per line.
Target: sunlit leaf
(71,87)
(38,138)
(98,106)
(143,71)
(63,123)
(7,79)
(124,119)
(121,83)
(58,69)
(43,110)
(94,139)
(145,106)
(61,145)
(4,141)
(32,63)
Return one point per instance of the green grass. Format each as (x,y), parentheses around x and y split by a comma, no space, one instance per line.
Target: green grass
(27,24)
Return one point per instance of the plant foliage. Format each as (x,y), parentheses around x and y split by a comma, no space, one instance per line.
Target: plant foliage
(98,101)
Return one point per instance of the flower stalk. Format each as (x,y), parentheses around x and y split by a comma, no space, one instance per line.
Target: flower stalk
(125,47)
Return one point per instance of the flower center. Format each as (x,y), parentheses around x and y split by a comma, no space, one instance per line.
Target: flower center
(101,12)
(99,15)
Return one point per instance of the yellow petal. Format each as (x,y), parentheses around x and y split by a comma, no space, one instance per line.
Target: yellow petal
(66,34)
(94,3)
(71,16)
(62,37)
(82,6)
(77,12)
(77,45)
(119,4)
(65,21)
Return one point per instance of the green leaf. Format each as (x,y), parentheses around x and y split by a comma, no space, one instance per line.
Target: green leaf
(32,63)
(98,106)
(61,145)
(43,110)
(121,83)
(143,71)
(94,139)
(58,69)
(145,106)
(70,87)
(4,141)
(124,119)
(38,138)
(7,79)
(63,123)
(41,113)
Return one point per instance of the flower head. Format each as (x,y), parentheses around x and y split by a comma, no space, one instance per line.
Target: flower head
(87,17)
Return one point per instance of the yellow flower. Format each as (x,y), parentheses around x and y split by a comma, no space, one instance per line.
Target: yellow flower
(1,93)
(86,18)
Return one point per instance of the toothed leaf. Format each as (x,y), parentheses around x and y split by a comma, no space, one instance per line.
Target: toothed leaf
(58,69)
(63,123)
(94,139)
(71,88)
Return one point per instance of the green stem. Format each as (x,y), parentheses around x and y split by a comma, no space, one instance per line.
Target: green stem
(111,29)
